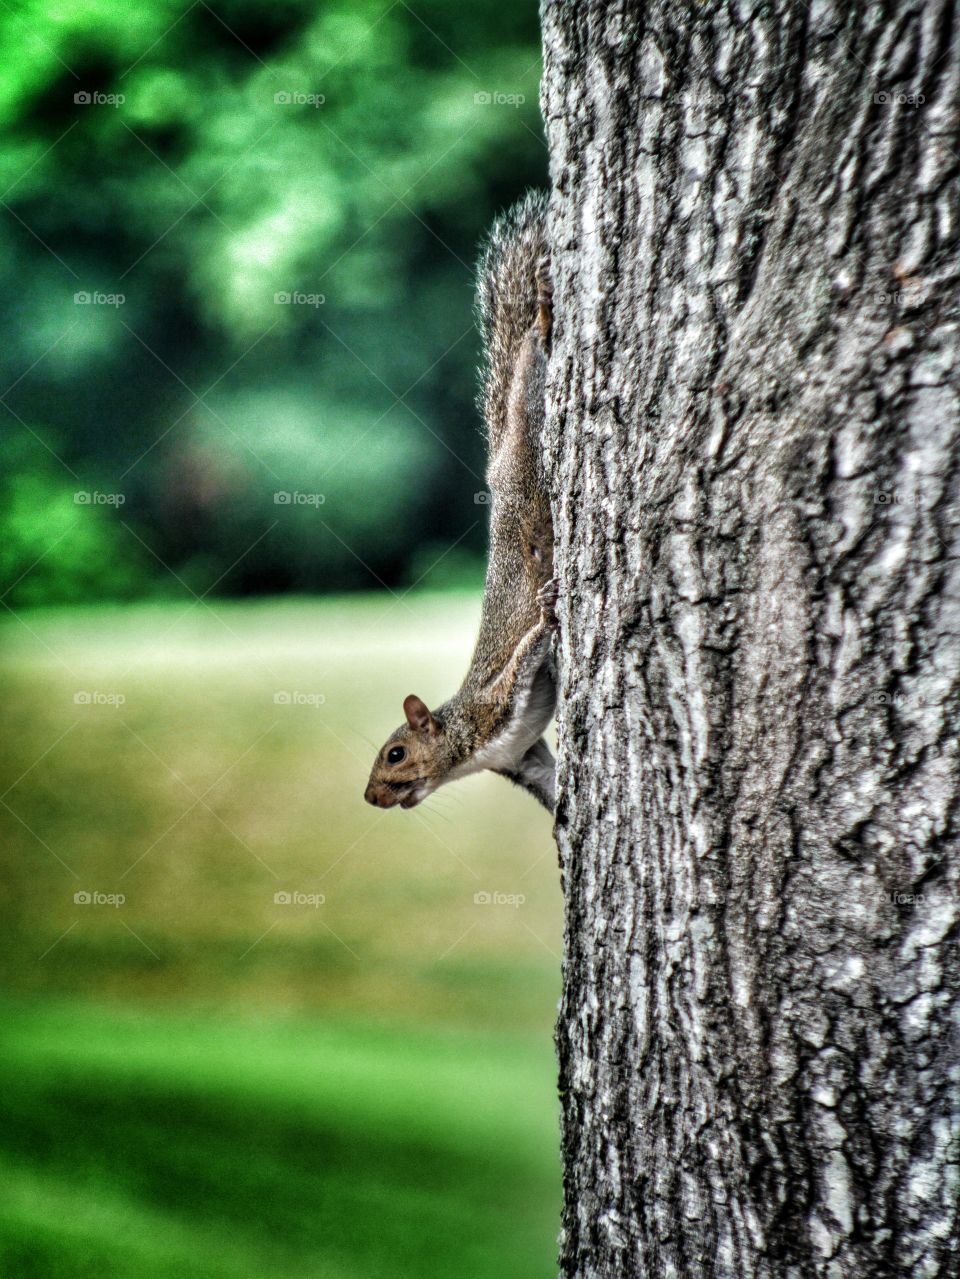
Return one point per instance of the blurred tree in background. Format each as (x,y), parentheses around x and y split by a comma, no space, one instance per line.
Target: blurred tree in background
(237,247)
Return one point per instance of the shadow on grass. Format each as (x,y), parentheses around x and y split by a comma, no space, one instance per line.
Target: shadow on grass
(210,1174)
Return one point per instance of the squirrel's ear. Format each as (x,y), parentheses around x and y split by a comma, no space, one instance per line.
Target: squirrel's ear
(418,716)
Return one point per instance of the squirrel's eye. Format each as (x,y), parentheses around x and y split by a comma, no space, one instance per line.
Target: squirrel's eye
(396,754)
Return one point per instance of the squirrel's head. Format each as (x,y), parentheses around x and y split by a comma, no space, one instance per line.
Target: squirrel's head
(411,765)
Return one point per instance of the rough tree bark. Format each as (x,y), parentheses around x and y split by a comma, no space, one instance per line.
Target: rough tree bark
(753,437)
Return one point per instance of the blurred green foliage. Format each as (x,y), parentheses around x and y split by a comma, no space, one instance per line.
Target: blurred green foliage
(179,157)
(56,545)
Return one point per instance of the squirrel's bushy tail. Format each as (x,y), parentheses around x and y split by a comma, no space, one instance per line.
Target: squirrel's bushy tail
(513,262)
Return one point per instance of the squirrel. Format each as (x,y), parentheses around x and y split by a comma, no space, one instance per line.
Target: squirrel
(497,718)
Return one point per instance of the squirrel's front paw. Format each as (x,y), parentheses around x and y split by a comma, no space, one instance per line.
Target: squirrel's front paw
(547,597)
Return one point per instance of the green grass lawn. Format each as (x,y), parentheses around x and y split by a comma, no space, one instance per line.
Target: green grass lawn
(148,1144)
(204,1080)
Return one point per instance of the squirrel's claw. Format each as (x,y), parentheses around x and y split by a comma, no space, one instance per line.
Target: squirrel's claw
(547,597)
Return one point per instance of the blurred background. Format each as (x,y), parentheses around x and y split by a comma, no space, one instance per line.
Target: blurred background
(249,1025)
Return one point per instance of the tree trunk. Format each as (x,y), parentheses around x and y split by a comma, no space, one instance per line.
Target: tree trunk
(753,440)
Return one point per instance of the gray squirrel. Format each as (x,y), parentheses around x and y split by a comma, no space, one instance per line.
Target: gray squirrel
(497,718)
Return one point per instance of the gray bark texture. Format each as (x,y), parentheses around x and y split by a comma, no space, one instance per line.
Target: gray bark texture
(753,440)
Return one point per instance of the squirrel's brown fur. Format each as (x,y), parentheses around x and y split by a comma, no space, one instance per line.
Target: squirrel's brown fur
(496,718)
(511,274)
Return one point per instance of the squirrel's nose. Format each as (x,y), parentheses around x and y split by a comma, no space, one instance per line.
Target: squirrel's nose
(379,796)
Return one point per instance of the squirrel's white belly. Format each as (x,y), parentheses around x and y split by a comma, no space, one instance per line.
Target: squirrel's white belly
(532,711)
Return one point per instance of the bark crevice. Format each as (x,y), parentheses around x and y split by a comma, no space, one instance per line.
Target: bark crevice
(754,444)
